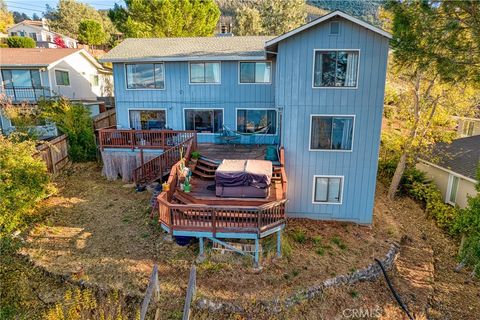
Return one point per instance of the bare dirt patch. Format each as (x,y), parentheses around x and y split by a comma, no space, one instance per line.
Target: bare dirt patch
(100,231)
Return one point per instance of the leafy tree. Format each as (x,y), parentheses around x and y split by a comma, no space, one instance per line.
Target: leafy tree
(19,16)
(280,16)
(166,18)
(23,182)
(36,17)
(91,32)
(248,21)
(6,17)
(20,42)
(68,14)
(444,35)
(74,120)
(423,114)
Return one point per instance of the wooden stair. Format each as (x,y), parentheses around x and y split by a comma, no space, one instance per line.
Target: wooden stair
(205,169)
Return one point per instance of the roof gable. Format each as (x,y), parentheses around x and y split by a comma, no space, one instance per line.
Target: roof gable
(323,19)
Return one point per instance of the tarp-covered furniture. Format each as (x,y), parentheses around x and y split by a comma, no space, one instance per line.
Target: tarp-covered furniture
(243,179)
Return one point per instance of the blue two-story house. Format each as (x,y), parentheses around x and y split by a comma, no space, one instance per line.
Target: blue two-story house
(316,91)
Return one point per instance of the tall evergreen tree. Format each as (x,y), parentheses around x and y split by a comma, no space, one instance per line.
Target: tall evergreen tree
(280,16)
(248,22)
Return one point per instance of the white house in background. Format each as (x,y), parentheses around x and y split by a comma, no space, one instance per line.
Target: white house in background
(452,167)
(40,32)
(28,75)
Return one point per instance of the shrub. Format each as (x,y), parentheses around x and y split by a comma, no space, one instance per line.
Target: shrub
(195,155)
(20,42)
(299,236)
(74,120)
(23,182)
(82,304)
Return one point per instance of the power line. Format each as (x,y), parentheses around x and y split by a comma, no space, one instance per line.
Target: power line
(23,4)
(23,8)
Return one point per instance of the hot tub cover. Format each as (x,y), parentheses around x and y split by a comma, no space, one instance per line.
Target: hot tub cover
(235,173)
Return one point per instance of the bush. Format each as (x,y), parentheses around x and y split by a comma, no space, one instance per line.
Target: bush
(82,304)
(74,120)
(20,42)
(23,182)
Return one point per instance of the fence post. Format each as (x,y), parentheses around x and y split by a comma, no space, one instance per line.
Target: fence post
(191,289)
(152,289)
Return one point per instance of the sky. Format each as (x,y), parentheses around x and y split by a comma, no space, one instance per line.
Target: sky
(38,6)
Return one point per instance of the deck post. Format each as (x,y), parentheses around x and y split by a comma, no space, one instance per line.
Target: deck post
(256,264)
(201,254)
(279,243)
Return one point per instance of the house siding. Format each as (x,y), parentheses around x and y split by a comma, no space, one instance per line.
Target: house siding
(294,93)
(465,189)
(179,95)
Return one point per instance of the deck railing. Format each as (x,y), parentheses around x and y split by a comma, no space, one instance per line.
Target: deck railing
(26,94)
(142,139)
(283,172)
(211,218)
(155,168)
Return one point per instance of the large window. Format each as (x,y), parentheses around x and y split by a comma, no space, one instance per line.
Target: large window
(327,189)
(148,119)
(62,78)
(205,72)
(331,133)
(255,72)
(335,69)
(18,78)
(145,76)
(253,120)
(204,121)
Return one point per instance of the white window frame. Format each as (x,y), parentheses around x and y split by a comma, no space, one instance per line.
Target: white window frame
(333,116)
(153,63)
(204,109)
(449,188)
(69,79)
(341,88)
(147,109)
(342,183)
(204,83)
(255,83)
(259,109)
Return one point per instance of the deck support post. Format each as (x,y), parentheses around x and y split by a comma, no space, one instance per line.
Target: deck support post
(279,243)
(201,254)
(256,263)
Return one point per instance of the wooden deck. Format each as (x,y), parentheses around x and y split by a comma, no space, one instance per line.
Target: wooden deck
(219,152)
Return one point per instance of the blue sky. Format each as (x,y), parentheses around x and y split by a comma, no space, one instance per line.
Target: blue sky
(38,6)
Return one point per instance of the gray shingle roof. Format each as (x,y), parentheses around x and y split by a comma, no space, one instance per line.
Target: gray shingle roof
(461,156)
(184,49)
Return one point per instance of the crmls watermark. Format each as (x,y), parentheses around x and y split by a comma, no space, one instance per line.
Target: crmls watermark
(357,313)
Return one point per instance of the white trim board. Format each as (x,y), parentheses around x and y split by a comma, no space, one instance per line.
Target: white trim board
(336,13)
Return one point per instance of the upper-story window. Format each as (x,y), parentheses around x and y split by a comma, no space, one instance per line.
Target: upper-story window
(145,76)
(331,132)
(205,72)
(334,68)
(255,72)
(62,78)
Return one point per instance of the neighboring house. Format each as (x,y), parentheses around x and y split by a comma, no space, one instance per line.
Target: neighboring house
(319,89)
(41,33)
(27,75)
(452,167)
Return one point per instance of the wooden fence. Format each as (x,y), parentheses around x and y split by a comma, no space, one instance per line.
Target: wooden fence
(153,289)
(105,119)
(54,153)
